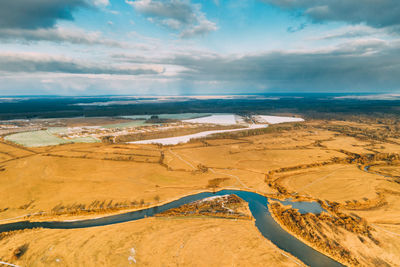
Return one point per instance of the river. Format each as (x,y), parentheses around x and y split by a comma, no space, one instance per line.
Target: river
(258,207)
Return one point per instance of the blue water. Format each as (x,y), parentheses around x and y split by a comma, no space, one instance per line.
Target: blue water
(258,207)
(303,206)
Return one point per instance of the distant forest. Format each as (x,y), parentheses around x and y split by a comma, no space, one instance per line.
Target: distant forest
(315,107)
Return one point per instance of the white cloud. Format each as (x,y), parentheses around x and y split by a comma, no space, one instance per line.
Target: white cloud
(204,27)
(177,15)
(101,3)
(172,23)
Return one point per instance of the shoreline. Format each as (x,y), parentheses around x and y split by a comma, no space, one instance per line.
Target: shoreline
(308,243)
(40,217)
(283,252)
(280,250)
(37,217)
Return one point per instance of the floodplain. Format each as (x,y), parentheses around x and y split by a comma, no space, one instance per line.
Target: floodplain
(355,178)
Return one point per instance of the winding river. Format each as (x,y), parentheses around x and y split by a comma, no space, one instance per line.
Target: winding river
(258,207)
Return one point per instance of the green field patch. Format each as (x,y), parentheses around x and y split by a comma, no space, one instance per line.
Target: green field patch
(36,138)
(45,138)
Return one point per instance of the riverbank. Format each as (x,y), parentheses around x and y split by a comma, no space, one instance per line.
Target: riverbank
(257,204)
(40,217)
(305,241)
(337,235)
(155,242)
(284,258)
(87,215)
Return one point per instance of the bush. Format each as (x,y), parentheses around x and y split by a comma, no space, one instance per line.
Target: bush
(20,251)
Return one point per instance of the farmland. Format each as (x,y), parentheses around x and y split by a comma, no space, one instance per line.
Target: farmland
(44,138)
(80,131)
(312,160)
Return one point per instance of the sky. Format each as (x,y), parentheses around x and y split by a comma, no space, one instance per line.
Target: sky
(190,47)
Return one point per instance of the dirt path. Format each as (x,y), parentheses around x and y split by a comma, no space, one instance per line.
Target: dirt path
(320,179)
(180,158)
(211,169)
(387,231)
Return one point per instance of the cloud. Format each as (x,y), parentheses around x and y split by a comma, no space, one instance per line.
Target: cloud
(32,63)
(181,11)
(22,14)
(172,23)
(101,3)
(356,66)
(203,27)
(351,31)
(361,65)
(36,21)
(71,84)
(177,15)
(375,13)
(59,34)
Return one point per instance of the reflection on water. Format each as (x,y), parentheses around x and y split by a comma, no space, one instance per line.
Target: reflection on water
(304,206)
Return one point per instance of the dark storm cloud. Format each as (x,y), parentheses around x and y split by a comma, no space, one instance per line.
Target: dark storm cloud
(375,13)
(337,70)
(12,63)
(358,66)
(35,20)
(35,14)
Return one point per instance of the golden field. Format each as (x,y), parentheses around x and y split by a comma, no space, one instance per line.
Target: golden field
(321,160)
(155,242)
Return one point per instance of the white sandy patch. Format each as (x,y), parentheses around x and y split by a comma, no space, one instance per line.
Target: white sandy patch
(213,198)
(131,258)
(218,198)
(239,119)
(186,138)
(227,119)
(275,119)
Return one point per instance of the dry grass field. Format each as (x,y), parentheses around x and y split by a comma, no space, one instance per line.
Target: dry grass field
(320,160)
(337,182)
(149,242)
